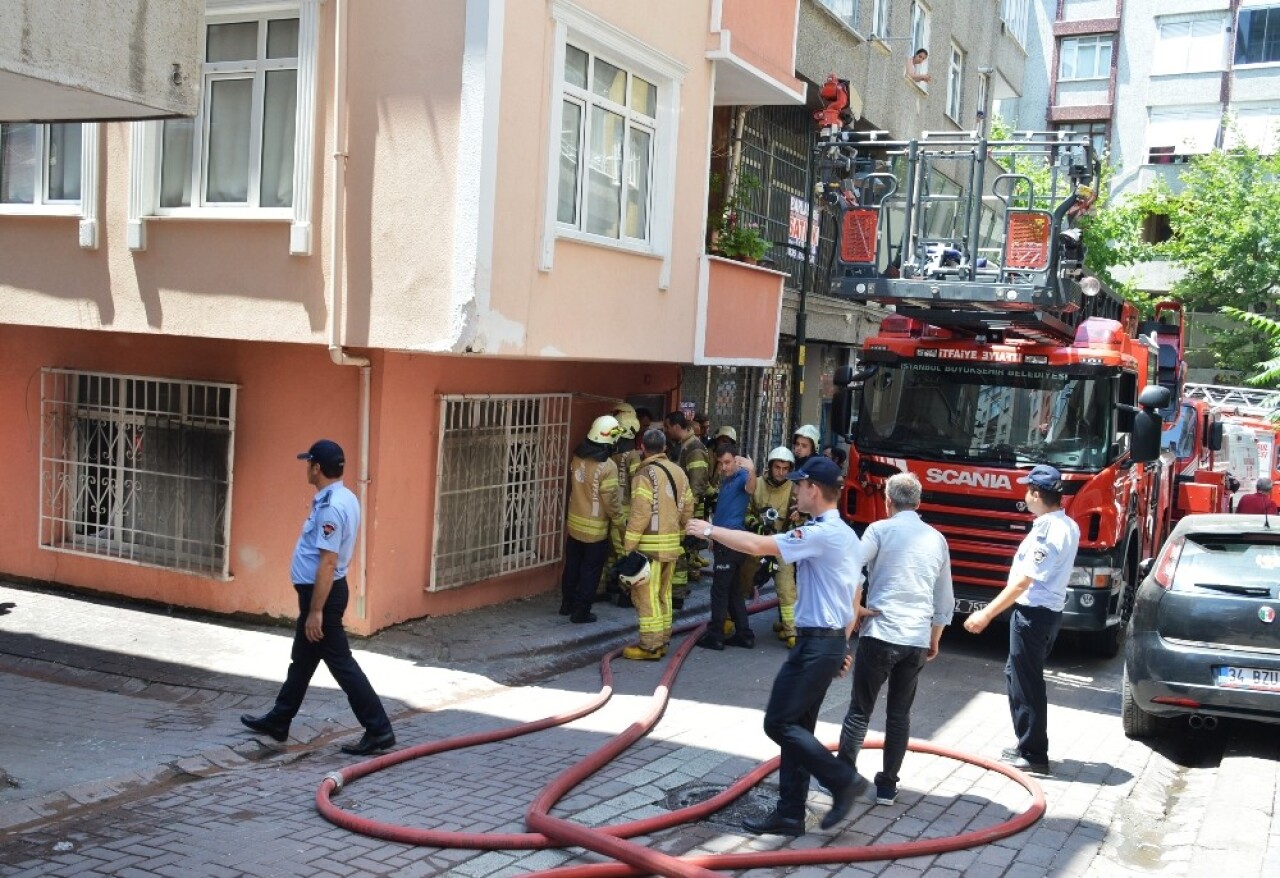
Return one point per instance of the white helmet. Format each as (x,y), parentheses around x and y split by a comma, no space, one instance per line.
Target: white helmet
(633,569)
(623,408)
(728,432)
(630,425)
(782,452)
(810,432)
(605,429)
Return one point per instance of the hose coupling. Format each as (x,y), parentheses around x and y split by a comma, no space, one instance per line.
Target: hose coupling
(336,777)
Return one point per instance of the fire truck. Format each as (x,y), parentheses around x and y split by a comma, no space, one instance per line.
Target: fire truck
(1001,352)
(1244,409)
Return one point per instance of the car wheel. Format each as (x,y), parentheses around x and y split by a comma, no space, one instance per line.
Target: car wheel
(1137,722)
(1105,643)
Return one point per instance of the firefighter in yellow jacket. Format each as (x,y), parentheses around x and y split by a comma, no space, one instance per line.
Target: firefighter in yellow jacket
(661,505)
(627,457)
(695,460)
(772,506)
(593,504)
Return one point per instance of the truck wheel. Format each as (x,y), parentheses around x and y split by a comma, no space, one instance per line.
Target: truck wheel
(1105,643)
(1137,722)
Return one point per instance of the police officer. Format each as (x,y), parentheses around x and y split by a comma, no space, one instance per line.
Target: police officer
(693,458)
(319,573)
(593,504)
(1037,591)
(661,504)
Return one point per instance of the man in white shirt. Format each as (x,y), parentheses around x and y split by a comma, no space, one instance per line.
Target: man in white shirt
(1037,591)
(909,603)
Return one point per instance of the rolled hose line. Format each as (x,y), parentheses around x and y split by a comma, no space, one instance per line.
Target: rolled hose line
(630,858)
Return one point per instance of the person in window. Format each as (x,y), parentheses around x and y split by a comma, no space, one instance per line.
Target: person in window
(917,66)
(1259,502)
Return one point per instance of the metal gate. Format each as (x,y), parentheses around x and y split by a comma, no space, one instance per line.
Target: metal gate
(754,401)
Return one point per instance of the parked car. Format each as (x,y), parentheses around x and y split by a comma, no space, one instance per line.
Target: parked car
(1204,639)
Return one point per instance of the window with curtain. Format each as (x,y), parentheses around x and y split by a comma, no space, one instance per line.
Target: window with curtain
(1174,134)
(40,164)
(1085,57)
(1189,45)
(1256,125)
(880,16)
(1258,36)
(955,83)
(845,10)
(920,21)
(1016,15)
(608,123)
(238,151)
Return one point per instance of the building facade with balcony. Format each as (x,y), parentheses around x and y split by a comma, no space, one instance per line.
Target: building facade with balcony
(445,235)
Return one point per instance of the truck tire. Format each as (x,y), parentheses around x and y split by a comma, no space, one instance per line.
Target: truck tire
(1105,643)
(1137,723)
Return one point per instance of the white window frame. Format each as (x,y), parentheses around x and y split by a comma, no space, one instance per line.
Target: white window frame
(955,84)
(508,517)
(1255,124)
(881,20)
(1016,15)
(1075,43)
(144,185)
(86,208)
(113,489)
(1212,28)
(1252,6)
(921,33)
(577,27)
(846,11)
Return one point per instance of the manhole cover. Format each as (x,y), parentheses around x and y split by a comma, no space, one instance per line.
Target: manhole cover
(756,803)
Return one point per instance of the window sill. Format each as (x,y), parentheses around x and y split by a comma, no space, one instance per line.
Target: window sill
(844,24)
(1085,79)
(275,214)
(1258,65)
(881,45)
(1165,73)
(923,87)
(636,248)
(71,210)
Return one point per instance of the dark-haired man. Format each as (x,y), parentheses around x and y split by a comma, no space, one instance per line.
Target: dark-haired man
(1037,592)
(319,574)
(688,451)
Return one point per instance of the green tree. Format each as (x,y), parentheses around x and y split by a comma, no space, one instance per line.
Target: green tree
(1245,348)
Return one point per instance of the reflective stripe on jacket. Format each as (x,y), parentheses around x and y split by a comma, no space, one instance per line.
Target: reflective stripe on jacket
(695,460)
(658,514)
(593,499)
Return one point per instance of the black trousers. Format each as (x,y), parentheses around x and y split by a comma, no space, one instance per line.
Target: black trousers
(727,601)
(1032,631)
(876,662)
(335,652)
(583,564)
(790,718)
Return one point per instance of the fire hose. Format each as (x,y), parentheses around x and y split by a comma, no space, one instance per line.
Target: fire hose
(547,831)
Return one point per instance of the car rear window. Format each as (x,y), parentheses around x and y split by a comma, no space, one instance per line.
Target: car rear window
(1229,562)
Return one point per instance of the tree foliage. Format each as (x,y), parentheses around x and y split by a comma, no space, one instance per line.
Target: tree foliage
(1267,331)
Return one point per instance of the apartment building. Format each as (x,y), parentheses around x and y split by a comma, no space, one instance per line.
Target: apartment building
(446,235)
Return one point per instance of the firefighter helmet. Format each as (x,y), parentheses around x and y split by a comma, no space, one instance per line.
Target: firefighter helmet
(605,430)
(630,425)
(810,432)
(632,569)
(623,408)
(782,452)
(727,432)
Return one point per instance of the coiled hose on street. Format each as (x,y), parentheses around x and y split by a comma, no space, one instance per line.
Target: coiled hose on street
(547,831)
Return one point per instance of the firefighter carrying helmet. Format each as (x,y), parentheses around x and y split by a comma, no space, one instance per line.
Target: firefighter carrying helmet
(632,569)
(810,432)
(630,425)
(782,452)
(605,430)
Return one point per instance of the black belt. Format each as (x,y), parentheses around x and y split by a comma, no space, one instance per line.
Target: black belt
(820,632)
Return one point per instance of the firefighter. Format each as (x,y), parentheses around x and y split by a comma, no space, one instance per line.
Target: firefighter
(805,443)
(696,463)
(661,506)
(772,508)
(627,458)
(593,504)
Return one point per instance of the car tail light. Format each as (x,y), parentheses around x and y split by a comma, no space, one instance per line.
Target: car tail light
(1168,562)
(1175,701)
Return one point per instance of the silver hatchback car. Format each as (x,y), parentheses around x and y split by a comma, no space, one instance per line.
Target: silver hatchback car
(1204,638)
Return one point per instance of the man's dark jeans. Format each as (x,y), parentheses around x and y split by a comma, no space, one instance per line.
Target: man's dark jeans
(726,598)
(792,713)
(1032,631)
(583,565)
(877,661)
(335,652)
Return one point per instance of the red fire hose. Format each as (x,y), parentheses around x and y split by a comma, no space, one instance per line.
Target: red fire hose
(612,841)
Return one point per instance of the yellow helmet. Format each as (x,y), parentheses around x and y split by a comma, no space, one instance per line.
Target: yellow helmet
(630,425)
(623,408)
(604,429)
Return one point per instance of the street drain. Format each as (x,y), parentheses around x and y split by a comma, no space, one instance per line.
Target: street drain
(756,803)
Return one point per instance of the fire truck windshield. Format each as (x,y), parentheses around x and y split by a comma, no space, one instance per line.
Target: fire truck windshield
(993,415)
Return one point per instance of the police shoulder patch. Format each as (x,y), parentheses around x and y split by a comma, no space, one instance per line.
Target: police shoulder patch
(798,534)
(1039,555)
(328,528)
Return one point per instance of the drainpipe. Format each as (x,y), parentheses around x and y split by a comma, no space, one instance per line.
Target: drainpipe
(336,288)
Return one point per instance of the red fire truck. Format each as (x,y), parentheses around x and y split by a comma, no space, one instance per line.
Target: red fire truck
(1002,352)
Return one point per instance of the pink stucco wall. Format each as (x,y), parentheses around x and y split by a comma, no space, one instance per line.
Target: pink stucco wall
(763,34)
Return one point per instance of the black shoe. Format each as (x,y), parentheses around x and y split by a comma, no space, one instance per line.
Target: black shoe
(566,607)
(842,801)
(774,823)
(1022,763)
(710,641)
(886,795)
(745,639)
(370,743)
(581,617)
(264,725)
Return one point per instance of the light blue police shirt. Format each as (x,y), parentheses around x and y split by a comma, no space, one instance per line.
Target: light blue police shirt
(331,526)
(828,559)
(1047,554)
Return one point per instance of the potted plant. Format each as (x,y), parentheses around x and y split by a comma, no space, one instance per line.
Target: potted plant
(741,240)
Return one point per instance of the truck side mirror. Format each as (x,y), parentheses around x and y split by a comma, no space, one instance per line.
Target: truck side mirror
(1154,396)
(1215,436)
(841,409)
(1144,441)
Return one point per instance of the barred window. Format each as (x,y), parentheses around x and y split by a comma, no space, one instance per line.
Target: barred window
(137,469)
(500,495)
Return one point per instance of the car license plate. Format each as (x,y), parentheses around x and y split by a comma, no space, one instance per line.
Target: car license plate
(967,606)
(1249,678)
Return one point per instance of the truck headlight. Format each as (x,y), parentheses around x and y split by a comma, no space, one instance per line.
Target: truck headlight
(1093,577)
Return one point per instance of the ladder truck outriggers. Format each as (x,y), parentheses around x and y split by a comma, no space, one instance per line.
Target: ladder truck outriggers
(1002,352)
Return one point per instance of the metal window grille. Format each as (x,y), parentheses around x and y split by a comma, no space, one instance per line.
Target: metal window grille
(137,469)
(500,495)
